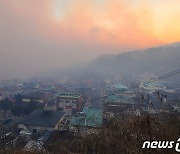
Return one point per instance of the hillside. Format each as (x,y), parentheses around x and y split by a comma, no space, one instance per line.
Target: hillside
(158,60)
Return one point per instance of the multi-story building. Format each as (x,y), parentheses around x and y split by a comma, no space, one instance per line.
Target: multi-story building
(69,103)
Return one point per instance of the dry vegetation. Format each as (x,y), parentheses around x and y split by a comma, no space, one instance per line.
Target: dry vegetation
(123,136)
(120,136)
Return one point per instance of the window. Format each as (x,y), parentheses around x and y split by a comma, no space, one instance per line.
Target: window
(34,130)
(67,101)
(74,101)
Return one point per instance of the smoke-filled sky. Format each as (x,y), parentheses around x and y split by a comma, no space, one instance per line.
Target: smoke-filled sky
(41,35)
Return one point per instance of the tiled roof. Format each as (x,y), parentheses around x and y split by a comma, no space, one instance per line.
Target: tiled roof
(120,87)
(43,118)
(119,99)
(91,117)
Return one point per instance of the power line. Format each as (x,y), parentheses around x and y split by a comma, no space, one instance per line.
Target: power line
(154,67)
(165,76)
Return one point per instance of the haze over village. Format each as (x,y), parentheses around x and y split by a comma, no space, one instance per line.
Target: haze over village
(95,76)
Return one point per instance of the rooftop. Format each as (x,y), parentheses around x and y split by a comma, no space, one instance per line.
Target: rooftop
(120,87)
(48,88)
(156,84)
(43,118)
(69,95)
(119,99)
(58,93)
(89,117)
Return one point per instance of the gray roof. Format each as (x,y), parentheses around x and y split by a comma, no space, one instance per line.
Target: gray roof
(43,118)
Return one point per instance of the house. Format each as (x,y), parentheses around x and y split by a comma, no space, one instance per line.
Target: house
(118,103)
(129,93)
(69,103)
(89,118)
(42,120)
(120,88)
(152,86)
(34,97)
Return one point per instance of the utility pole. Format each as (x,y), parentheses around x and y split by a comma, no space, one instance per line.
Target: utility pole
(3,137)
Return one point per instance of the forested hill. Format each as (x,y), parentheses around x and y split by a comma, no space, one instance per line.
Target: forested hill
(156,60)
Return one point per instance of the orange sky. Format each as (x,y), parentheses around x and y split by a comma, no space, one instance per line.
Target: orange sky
(127,23)
(122,23)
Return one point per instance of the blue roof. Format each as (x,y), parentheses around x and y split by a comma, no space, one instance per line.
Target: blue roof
(115,99)
(49,88)
(120,87)
(156,83)
(90,117)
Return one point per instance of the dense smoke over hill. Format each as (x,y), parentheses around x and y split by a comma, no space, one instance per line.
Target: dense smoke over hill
(156,60)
